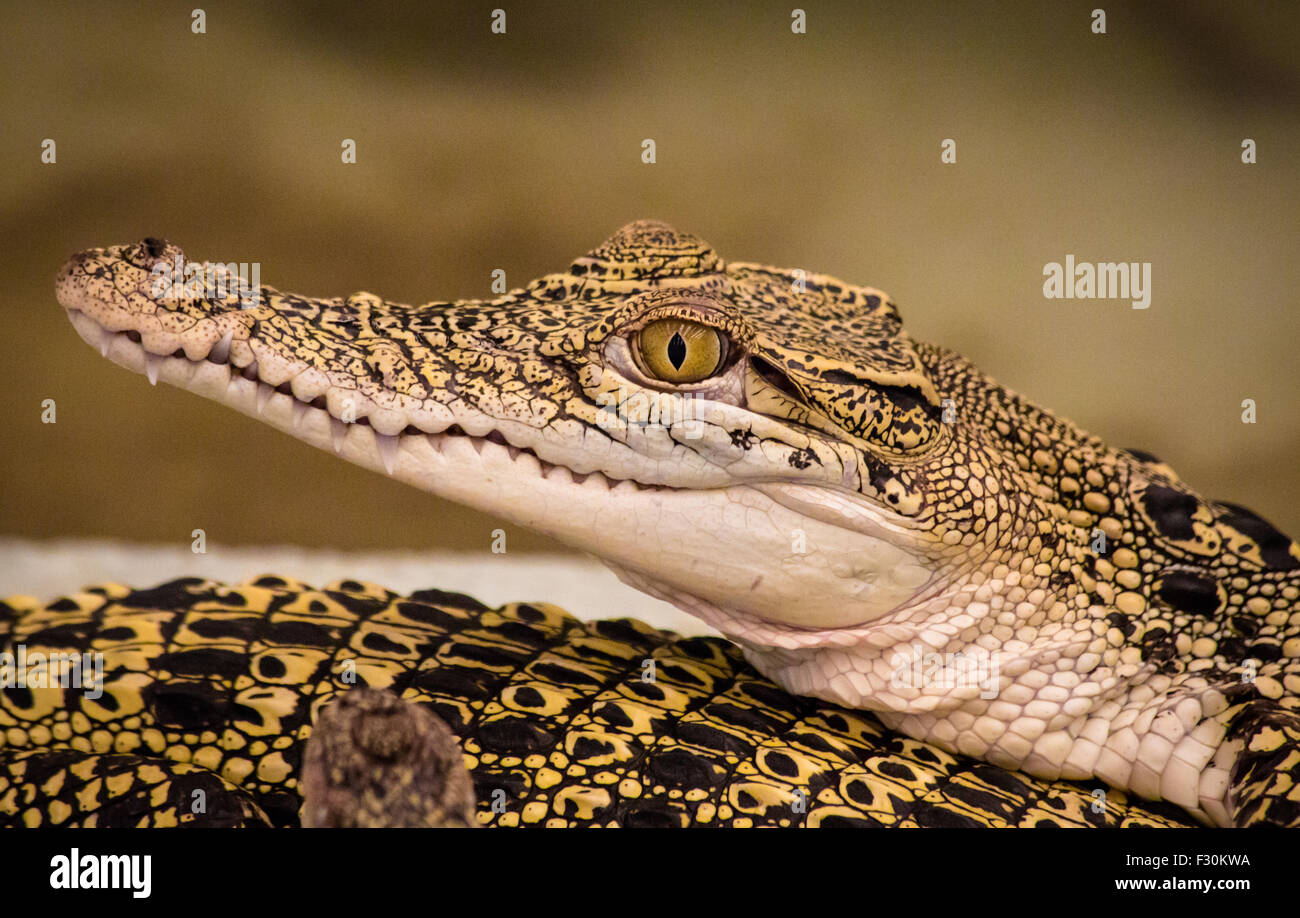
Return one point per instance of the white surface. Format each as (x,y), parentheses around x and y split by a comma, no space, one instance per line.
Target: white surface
(583,586)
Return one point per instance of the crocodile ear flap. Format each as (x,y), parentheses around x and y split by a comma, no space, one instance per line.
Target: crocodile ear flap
(646,250)
(843,348)
(900,417)
(881,396)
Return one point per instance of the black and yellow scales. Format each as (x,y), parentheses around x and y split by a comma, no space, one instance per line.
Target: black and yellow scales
(214,688)
(870,520)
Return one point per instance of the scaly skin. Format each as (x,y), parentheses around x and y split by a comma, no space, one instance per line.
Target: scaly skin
(840,501)
(227,689)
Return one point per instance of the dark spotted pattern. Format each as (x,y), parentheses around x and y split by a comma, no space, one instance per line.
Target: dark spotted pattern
(1190,592)
(556,724)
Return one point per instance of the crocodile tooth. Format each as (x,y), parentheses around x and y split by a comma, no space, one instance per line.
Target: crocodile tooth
(220,352)
(299,413)
(151,362)
(558,473)
(527,464)
(105,339)
(338,433)
(387,451)
(264,393)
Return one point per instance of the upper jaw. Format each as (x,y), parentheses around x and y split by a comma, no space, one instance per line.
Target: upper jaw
(413,370)
(280,350)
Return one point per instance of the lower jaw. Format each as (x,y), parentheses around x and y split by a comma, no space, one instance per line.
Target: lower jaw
(750,630)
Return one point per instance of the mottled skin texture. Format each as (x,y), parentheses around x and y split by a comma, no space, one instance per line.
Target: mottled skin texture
(375,761)
(839,500)
(217,687)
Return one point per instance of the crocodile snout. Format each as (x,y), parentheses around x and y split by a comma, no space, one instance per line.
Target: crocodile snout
(70,267)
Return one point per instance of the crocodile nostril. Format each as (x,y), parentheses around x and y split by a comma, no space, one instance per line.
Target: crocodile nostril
(71,265)
(154,246)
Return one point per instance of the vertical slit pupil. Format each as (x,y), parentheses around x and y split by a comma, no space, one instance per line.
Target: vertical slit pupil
(677,350)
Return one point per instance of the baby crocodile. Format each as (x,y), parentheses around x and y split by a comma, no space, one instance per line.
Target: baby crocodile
(874,521)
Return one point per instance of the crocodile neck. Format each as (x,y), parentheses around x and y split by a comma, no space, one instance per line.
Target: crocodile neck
(873,520)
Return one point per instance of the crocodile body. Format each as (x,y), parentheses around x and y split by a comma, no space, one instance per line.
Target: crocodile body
(872,520)
(215,688)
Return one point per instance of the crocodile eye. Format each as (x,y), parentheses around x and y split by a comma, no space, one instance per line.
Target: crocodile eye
(680,351)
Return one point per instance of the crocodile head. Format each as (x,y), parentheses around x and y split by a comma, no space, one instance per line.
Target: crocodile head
(755,445)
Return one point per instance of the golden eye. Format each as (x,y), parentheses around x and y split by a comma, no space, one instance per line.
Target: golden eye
(680,351)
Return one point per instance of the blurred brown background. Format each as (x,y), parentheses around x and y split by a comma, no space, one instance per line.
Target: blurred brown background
(478,151)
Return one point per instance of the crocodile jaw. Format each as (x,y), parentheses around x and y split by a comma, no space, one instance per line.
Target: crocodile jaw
(780,564)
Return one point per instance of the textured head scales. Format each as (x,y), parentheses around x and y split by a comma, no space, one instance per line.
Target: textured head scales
(648,251)
(841,346)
